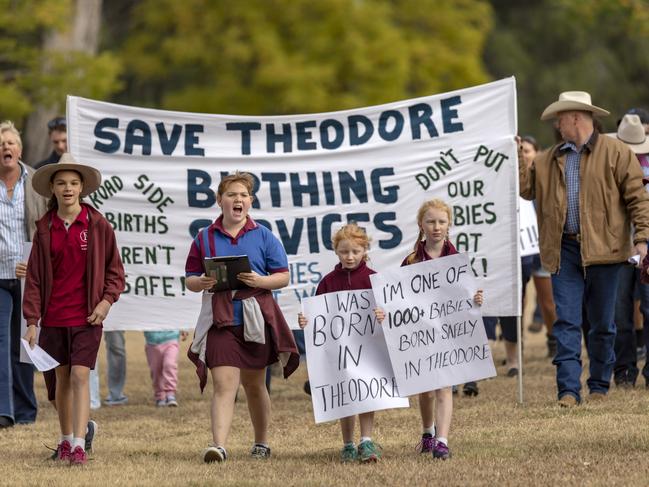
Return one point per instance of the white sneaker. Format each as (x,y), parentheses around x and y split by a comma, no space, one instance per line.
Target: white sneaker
(214,454)
(171,401)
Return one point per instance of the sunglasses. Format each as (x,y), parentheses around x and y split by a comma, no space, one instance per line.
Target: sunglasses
(57,122)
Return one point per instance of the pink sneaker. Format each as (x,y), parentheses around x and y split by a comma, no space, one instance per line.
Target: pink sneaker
(78,456)
(63,451)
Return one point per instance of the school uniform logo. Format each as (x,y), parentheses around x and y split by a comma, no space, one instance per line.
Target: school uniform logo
(83,238)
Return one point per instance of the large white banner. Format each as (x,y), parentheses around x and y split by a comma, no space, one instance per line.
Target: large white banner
(348,362)
(433,329)
(373,165)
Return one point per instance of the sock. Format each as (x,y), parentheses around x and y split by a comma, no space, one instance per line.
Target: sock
(265,445)
(79,442)
(430,430)
(66,437)
(441,439)
(364,439)
(349,443)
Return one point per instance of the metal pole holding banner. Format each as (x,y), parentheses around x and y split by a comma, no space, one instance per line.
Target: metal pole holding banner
(519,351)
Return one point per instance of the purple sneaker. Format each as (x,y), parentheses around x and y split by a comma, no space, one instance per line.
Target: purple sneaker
(427,444)
(441,451)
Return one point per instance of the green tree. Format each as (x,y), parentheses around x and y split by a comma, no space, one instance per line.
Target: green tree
(40,66)
(599,46)
(291,56)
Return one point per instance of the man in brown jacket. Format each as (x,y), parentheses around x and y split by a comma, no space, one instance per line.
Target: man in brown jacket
(588,191)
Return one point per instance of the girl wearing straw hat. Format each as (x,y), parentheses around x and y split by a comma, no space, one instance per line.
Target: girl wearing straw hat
(74,275)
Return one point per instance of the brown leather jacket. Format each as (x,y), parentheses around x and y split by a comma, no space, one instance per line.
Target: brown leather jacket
(611,197)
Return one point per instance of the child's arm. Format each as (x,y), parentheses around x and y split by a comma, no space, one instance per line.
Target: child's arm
(100,312)
(301,320)
(276,280)
(380,315)
(199,283)
(21,270)
(30,335)
(478,298)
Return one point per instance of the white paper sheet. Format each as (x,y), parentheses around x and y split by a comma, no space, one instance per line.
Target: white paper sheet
(39,357)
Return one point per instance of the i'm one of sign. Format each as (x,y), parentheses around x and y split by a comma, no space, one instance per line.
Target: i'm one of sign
(433,328)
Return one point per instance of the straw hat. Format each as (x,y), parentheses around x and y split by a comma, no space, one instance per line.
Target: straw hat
(43,176)
(572,100)
(631,132)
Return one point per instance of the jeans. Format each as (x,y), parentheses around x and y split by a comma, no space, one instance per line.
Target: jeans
(17,399)
(95,399)
(596,287)
(626,357)
(116,361)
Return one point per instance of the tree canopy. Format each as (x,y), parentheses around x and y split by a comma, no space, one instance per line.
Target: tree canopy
(298,56)
(599,46)
(291,56)
(34,74)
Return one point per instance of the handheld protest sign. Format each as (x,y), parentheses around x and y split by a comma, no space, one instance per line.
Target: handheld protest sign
(433,329)
(349,367)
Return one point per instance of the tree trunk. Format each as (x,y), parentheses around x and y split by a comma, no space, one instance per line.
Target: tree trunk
(82,36)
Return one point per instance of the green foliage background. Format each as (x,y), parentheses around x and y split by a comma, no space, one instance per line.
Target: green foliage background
(33,75)
(599,46)
(292,56)
(298,56)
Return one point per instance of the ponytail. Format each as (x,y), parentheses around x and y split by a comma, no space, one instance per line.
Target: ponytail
(413,255)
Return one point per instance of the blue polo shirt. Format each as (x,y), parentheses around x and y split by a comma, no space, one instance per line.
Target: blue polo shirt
(265,252)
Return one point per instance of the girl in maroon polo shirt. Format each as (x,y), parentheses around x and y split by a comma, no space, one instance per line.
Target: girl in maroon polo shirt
(351,245)
(436,407)
(74,275)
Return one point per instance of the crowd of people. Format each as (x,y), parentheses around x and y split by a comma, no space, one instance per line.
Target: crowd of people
(592,205)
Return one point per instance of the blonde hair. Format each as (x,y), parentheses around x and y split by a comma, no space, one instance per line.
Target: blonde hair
(434,204)
(353,233)
(238,177)
(8,126)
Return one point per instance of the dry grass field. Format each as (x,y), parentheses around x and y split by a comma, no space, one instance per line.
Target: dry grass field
(494,440)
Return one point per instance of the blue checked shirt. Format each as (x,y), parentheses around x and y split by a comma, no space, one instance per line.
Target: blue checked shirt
(12,227)
(573,157)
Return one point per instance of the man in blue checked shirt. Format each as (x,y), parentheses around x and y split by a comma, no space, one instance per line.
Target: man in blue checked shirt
(588,190)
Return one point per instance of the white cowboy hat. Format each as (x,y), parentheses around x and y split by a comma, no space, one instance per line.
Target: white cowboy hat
(631,132)
(572,100)
(43,176)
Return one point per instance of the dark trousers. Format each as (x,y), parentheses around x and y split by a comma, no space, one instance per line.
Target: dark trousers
(626,357)
(17,399)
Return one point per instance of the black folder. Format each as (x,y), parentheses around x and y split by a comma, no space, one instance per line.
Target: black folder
(225,269)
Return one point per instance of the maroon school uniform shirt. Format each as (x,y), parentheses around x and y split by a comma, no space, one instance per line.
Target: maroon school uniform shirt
(421,255)
(68,247)
(346,280)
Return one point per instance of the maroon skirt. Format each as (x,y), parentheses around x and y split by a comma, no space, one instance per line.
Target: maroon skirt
(226,346)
